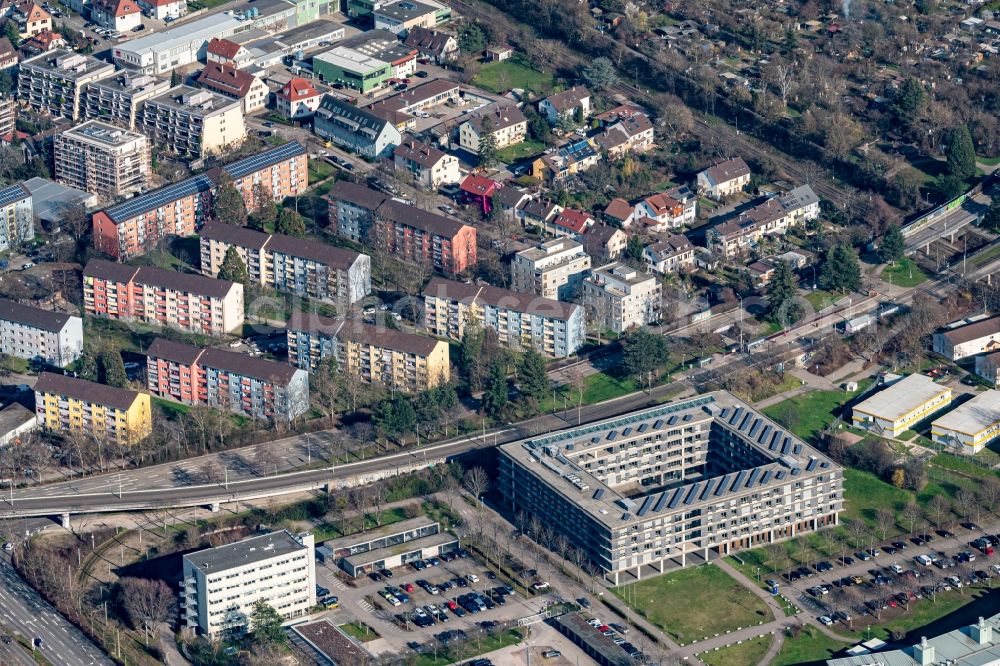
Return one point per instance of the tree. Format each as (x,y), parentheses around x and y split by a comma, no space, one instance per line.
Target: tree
(635,250)
(477,482)
(233,268)
(891,249)
(532,378)
(991,218)
(395,416)
(910,100)
(147,602)
(488,149)
(600,74)
(228,205)
(175,78)
(495,394)
(841,270)
(291,223)
(113,369)
(471,38)
(782,307)
(961,153)
(644,353)
(86,367)
(266,624)
(266,213)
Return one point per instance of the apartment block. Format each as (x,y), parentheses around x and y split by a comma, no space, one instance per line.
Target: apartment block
(295,265)
(373,354)
(226,380)
(222,585)
(980,337)
(416,235)
(189,121)
(672,486)
(134,227)
(772,217)
(120,99)
(894,409)
(724,179)
(70,405)
(192,303)
(8,114)
(103,159)
(520,320)
(33,333)
(507,124)
(619,297)
(54,82)
(17,223)
(554,269)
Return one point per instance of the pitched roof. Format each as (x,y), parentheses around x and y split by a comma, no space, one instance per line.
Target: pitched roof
(359,195)
(542,209)
(510,197)
(81,389)
(661,203)
(177,352)
(387,338)
(670,246)
(500,118)
(478,185)
(568,99)
(420,153)
(334,257)
(159,277)
(574,220)
(298,88)
(32,316)
(234,235)
(46,40)
(7,50)
(724,172)
(223,48)
(434,42)
(619,209)
(402,213)
(119,8)
(222,359)
(973,331)
(226,79)
(364,121)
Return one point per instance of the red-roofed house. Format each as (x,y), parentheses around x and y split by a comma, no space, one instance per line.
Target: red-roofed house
(45,41)
(297,99)
(665,213)
(161,9)
(235,83)
(120,15)
(570,222)
(620,212)
(480,189)
(227,53)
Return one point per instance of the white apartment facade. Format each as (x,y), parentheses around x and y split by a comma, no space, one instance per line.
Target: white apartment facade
(979,337)
(507,124)
(17,224)
(189,121)
(32,333)
(54,82)
(618,297)
(724,179)
(103,159)
(554,269)
(222,585)
(429,167)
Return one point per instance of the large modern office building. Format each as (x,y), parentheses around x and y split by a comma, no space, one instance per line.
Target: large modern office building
(673,485)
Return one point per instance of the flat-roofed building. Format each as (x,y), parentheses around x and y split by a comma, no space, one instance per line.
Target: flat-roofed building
(54,82)
(979,337)
(521,321)
(226,380)
(988,367)
(672,486)
(895,409)
(295,265)
(222,585)
(354,69)
(403,15)
(194,122)
(976,644)
(390,546)
(970,426)
(17,224)
(104,159)
(33,333)
(373,354)
(192,303)
(185,44)
(619,297)
(119,99)
(69,405)
(553,269)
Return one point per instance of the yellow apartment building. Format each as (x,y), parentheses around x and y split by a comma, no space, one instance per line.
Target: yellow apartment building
(67,404)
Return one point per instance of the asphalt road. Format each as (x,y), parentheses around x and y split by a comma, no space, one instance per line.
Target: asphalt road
(951,223)
(24,611)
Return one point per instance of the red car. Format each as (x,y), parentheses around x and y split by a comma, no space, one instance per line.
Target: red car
(407,586)
(603,628)
(451,605)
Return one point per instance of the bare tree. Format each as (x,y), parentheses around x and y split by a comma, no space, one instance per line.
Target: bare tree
(147,602)
(885,520)
(938,509)
(379,495)
(477,482)
(911,516)
(989,493)
(783,77)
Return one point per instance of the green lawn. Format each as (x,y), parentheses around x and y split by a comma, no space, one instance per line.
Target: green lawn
(500,77)
(359,631)
(905,273)
(519,151)
(865,493)
(810,645)
(454,654)
(172,407)
(965,465)
(694,603)
(921,613)
(353,525)
(988,161)
(807,414)
(743,654)
(14,364)
(319,170)
(600,387)
(987,256)
(820,299)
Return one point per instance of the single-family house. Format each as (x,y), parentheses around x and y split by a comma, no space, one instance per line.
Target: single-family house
(507,124)
(429,167)
(228,52)
(572,104)
(724,179)
(120,15)
(570,222)
(669,254)
(433,44)
(297,99)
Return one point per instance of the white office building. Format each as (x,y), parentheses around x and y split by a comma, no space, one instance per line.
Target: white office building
(222,585)
(161,52)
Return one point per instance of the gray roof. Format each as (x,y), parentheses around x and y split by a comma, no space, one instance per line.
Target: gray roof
(32,316)
(13,416)
(81,389)
(352,117)
(223,359)
(50,200)
(242,553)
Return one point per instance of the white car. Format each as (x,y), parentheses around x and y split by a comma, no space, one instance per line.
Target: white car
(826,620)
(235,343)
(8,546)
(472,578)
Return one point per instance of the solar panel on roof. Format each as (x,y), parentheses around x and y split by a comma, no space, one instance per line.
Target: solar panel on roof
(738,481)
(626,431)
(736,415)
(707,489)
(786,445)
(811,465)
(764,434)
(249,165)
(157,198)
(595,440)
(725,413)
(599,493)
(824,464)
(672,420)
(661,501)
(796,471)
(780,474)
(754,473)
(9,195)
(775,440)
(757,425)
(797,449)
(688,417)
(723,484)
(626,516)
(646,503)
(675,499)
(692,493)
(744,424)
(767,477)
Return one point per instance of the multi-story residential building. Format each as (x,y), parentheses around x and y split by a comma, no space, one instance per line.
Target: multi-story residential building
(429,167)
(103,159)
(226,380)
(373,354)
(70,405)
(409,232)
(136,226)
(520,320)
(659,212)
(618,297)
(32,333)
(507,124)
(673,485)
(669,255)
(120,99)
(222,585)
(434,44)
(187,302)
(188,121)
(17,223)
(8,116)
(773,217)
(355,129)
(604,243)
(570,104)
(988,367)
(724,179)
(971,426)
(233,83)
(631,133)
(296,265)
(120,15)
(297,99)
(401,16)
(553,269)
(894,409)
(979,337)
(54,82)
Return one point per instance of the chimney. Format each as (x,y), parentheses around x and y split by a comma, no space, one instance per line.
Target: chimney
(923,653)
(981,632)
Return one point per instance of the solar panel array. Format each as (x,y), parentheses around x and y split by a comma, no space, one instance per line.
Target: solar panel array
(9,195)
(254,163)
(157,198)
